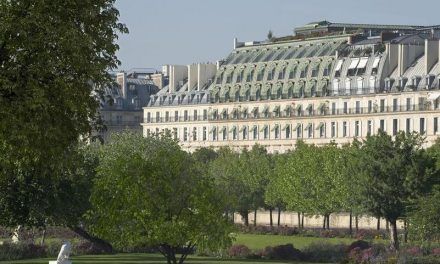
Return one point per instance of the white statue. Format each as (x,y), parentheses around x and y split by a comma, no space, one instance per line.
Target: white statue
(16,237)
(63,256)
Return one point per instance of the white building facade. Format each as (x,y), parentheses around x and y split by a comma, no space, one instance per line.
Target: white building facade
(332,88)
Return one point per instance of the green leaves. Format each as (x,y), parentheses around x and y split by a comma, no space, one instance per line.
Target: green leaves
(149,191)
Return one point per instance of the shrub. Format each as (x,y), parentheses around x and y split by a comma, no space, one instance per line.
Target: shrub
(325,252)
(239,251)
(86,248)
(414,251)
(283,252)
(363,234)
(435,252)
(358,244)
(9,251)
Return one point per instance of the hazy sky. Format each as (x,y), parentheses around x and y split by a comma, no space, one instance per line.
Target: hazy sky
(188,31)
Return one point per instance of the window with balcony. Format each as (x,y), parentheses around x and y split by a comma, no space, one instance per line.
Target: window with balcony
(435,124)
(321,129)
(395,105)
(255,133)
(287,131)
(195,115)
(205,114)
(205,134)
(333,108)
(357,129)
(148,117)
(345,110)
(408,126)
(214,134)
(225,133)
(118,119)
(281,74)
(309,129)
(234,133)
(194,134)
(382,105)
(358,107)
(271,74)
(167,116)
(185,134)
(299,131)
(157,117)
(245,132)
(266,132)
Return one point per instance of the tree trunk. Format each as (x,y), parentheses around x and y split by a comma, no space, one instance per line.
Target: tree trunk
(246,218)
(255,217)
(378,223)
(351,223)
(99,243)
(356,222)
(271,218)
(405,231)
(328,221)
(302,221)
(324,224)
(393,235)
(299,220)
(279,216)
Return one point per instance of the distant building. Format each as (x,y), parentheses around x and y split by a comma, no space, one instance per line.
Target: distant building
(122,107)
(330,82)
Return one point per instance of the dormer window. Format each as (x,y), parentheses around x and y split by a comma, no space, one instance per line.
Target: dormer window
(338,68)
(389,83)
(281,74)
(416,81)
(402,82)
(271,74)
(429,81)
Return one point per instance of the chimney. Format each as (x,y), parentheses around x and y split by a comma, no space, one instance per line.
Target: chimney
(407,56)
(177,73)
(121,79)
(431,54)
(205,72)
(192,76)
(157,79)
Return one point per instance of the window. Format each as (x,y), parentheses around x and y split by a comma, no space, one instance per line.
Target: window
(167,116)
(310,131)
(235,114)
(255,113)
(185,134)
(408,104)
(344,129)
(185,115)
(249,76)
(157,116)
(333,129)
(369,127)
(119,119)
(266,132)
(137,119)
(321,130)
(194,134)
(370,106)
(239,76)
(175,135)
(395,127)
(245,132)
(148,117)
(358,107)
(408,125)
(281,74)
(345,108)
(195,115)
(299,131)
(382,105)
(422,126)
(205,114)
(245,114)
(271,74)
(234,133)
(327,70)
(255,133)
(176,116)
(225,114)
(225,133)
(304,72)
(204,134)
(287,131)
(395,105)
(382,125)
(292,73)
(277,131)
(435,125)
(333,108)
(260,75)
(357,129)
(214,134)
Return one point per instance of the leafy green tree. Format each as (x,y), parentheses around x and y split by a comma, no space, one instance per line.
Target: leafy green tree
(54,57)
(254,174)
(272,195)
(424,218)
(394,172)
(225,171)
(149,191)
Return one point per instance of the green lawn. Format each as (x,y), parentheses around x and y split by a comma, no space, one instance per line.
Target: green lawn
(262,241)
(141,258)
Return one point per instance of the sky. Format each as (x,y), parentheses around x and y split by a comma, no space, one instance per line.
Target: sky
(189,31)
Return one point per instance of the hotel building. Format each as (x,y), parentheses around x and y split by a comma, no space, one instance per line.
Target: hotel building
(329,82)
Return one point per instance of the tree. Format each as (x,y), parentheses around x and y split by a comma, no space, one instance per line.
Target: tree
(54,57)
(272,196)
(424,224)
(148,191)
(393,173)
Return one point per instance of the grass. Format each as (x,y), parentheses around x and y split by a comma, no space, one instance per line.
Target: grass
(143,258)
(261,241)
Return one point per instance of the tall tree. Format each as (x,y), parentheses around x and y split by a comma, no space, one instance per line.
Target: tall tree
(394,172)
(54,58)
(149,191)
